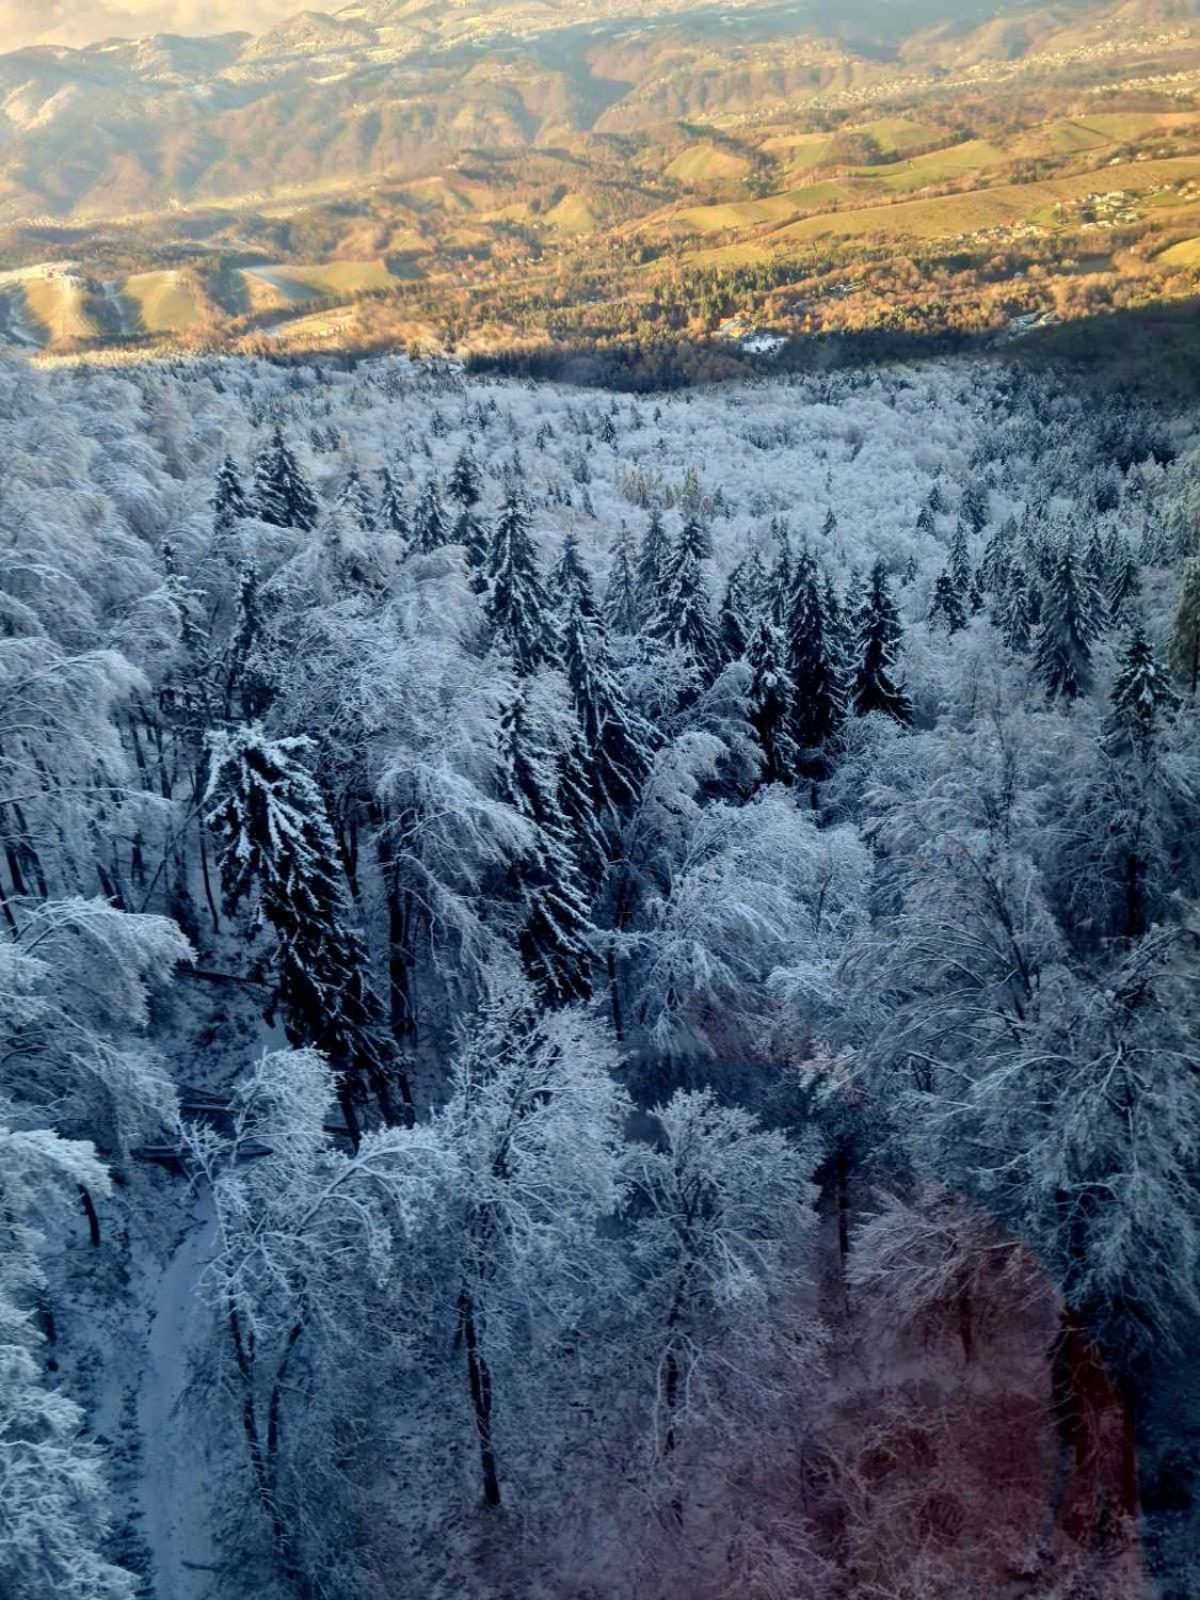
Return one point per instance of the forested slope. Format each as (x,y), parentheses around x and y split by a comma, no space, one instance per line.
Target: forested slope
(648,951)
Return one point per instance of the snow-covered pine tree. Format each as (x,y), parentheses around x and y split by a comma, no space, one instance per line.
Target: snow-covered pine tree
(620,596)
(518,607)
(1141,692)
(685,621)
(570,581)
(814,659)
(229,502)
(958,562)
(1124,583)
(735,620)
(465,484)
(282,495)
(878,633)
(618,744)
(1016,611)
(771,701)
(1069,627)
(429,527)
(354,500)
(1184,650)
(279,855)
(653,567)
(946,608)
(392,515)
(555,938)
(974,508)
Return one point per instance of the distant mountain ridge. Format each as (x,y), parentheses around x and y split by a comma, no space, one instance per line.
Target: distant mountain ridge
(387,86)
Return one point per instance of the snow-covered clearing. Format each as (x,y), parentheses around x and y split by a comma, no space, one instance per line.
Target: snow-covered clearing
(175,1489)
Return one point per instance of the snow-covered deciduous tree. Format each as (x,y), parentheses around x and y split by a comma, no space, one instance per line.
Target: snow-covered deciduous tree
(54,1504)
(533,1126)
(722,1220)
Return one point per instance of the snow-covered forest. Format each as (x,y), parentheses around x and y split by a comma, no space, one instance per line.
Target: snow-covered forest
(599,994)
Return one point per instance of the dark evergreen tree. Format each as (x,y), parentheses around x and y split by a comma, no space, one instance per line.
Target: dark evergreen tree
(770,701)
(518,608)
(736,619)
(279,854)
(570,581)
(555,938)
(946,609)
(429,528)
(392,514)
(281,492)
(1016,617)
(1141,693)
(975,509)
(620,597)
(926,521)
(959,562)
(617,742)
(229,500)
(653,568)
(780,586)
(815,659)
(685,620)
(878,633)
(1069,627)
(355,501)
(830,525)
(1124,583)
(465,486)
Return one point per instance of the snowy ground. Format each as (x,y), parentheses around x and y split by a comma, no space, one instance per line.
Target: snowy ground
(176,1487)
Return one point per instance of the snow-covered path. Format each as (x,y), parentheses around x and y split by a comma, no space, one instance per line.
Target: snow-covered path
(175,1491)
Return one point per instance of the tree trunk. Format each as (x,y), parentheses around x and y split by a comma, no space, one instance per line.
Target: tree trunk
(89,1211)
(479,1379)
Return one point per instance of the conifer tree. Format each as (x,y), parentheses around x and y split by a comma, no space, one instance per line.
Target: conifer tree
(1069,627)
(620,597)
(569,581)
(830,525)
(355,502)
(735,621)
(1016,619)
(685,620)
(946,608)
(1124,583)
(878,633)
(282,494)
(429,530)
(465,485)
(815,659)
(392,514)
(653,568)
(1141,692)
(975,509)
(770,701)
(780,587)
(517,604)
(959,562)
(556,933)
(279,854)
(229,500)
(1184,650)
(618,744)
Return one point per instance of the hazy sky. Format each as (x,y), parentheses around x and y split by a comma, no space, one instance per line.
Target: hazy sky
(76,22)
